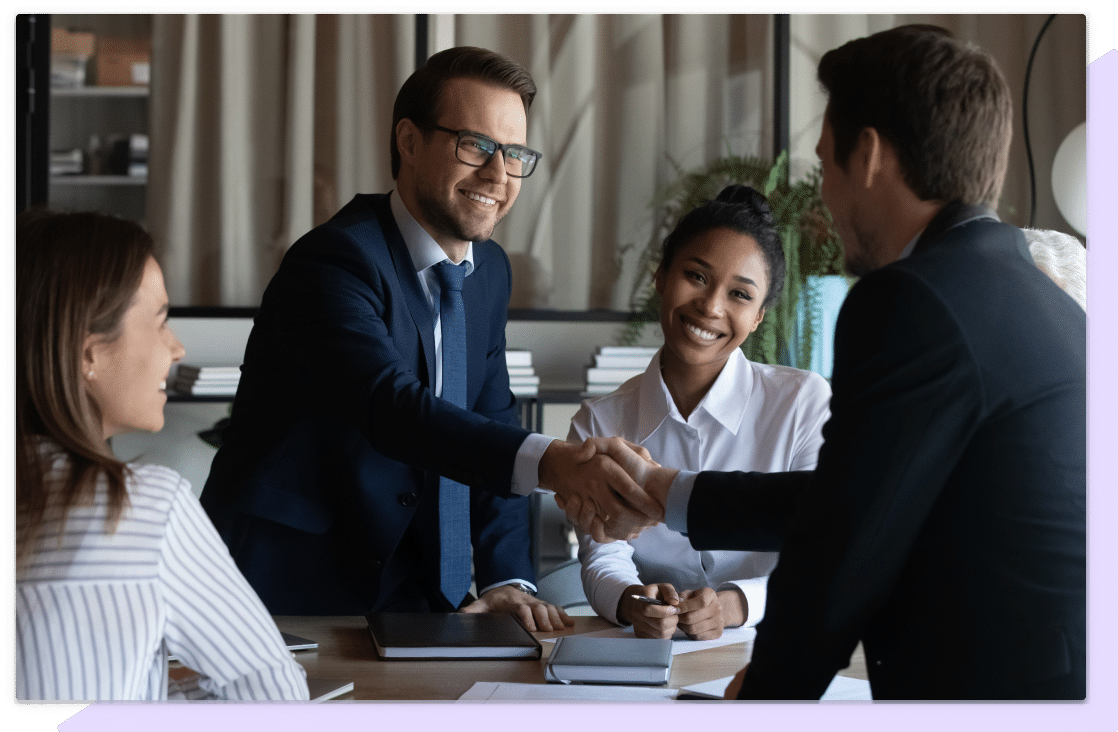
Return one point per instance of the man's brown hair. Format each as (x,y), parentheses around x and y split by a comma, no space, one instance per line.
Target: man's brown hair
(420,98)
(943,106)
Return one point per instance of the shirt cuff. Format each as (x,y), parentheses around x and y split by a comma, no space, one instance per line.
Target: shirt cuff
(526,469)
(755,591)
(526,583)
(679,494)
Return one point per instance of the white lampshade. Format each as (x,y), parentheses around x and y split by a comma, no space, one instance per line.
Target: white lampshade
(1069,178)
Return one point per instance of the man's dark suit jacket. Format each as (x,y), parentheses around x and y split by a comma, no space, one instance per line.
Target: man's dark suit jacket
(945,524)
(336,440)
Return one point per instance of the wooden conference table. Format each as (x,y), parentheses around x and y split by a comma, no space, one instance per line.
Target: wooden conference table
(346,652)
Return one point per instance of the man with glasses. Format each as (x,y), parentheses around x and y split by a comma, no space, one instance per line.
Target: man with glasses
(373,439)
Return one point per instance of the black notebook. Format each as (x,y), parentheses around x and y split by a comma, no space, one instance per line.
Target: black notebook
(591,660)
(450,635)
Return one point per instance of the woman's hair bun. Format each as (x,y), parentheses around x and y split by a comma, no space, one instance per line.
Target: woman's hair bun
(749,197)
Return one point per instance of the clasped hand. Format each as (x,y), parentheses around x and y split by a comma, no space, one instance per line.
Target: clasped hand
(599,486)
(608,487)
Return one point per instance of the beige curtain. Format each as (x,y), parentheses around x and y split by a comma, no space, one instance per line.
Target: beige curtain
(264,125)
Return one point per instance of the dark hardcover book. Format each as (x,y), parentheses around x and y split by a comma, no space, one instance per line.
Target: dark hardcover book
(590,660)
(450,635)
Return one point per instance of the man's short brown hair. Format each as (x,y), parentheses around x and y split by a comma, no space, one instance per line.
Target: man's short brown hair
(420,98)
(942,105)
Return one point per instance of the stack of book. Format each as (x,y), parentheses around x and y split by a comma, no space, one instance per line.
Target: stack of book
(614,365)
(207,380)
(522,376)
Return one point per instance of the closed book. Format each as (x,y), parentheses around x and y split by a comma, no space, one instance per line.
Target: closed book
(196,388)
(524,390)
(590,660)
(401,636)
(209,372)
(518,357)
(324,689)
(623,362)
(524,380)
(649,351)
(611,376)
(521,371)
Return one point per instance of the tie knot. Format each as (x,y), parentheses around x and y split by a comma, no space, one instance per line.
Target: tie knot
(450,275)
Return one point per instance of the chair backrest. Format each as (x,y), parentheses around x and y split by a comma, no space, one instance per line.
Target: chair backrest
(1061,257)
(562,586)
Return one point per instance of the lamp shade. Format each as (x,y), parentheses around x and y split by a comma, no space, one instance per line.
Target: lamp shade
(1069,178)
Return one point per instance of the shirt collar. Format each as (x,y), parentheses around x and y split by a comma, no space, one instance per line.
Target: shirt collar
(725,402)
(424,251)
(910,246)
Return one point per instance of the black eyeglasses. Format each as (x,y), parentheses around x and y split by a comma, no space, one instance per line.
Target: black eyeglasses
(476,150)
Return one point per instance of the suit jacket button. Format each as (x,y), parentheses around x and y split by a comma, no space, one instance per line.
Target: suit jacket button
(406,499)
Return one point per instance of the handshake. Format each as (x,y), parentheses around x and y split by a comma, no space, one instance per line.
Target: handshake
(608,487)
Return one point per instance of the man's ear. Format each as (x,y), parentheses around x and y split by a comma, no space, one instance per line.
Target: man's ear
(407,138)
(874,155)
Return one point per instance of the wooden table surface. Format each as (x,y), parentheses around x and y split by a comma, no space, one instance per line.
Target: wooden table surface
(346,653)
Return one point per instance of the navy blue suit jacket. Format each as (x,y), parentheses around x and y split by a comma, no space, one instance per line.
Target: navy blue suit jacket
(945,523)
(335,428)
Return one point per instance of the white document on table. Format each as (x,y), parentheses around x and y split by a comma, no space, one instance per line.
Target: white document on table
(680,642)
(501,691)
(841,688)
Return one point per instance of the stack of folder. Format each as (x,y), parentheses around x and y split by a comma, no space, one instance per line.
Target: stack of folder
(207,380)
(614,365)
(522,376)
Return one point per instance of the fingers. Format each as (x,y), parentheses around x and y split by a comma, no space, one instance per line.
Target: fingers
(701,614)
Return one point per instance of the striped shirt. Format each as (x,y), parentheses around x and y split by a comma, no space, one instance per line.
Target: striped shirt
(97,613)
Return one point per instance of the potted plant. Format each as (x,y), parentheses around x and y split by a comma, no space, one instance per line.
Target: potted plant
(811,248)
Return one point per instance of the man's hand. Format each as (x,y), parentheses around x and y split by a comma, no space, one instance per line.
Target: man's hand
(650,621)
(589,483)
(655,480)
(735,685)
(703,613)
(535,614)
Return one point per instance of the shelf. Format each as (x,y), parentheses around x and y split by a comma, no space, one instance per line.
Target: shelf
(99,180)
(100,91)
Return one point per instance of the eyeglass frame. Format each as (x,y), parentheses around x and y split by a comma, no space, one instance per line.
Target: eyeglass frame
(501,148)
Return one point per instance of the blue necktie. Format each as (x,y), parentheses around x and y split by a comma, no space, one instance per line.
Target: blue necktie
(454,498)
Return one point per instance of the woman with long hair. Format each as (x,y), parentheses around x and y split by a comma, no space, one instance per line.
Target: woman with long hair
(117,563)
(701,405)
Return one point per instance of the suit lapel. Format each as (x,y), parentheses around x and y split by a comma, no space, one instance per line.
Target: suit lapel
(409,283)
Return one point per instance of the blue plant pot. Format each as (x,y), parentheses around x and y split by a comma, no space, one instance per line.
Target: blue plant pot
(830,292)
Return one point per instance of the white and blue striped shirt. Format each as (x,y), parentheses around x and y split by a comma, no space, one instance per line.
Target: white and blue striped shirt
(98,613)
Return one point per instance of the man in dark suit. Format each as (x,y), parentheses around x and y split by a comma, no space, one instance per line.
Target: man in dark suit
(357,468)
(944,525)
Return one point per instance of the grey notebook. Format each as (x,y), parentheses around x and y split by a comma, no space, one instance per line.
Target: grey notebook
(590,660)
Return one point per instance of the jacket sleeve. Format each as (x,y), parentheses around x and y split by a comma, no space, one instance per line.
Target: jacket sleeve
(336,305)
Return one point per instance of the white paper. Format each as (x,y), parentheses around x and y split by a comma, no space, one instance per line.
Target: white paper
(492,691)
(841,688)
(680,642)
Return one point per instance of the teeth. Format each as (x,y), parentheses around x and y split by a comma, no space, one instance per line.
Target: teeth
(706,335)
(480,198)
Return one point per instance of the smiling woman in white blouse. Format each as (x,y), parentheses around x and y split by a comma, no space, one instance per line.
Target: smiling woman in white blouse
(117,564)
(701,405)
